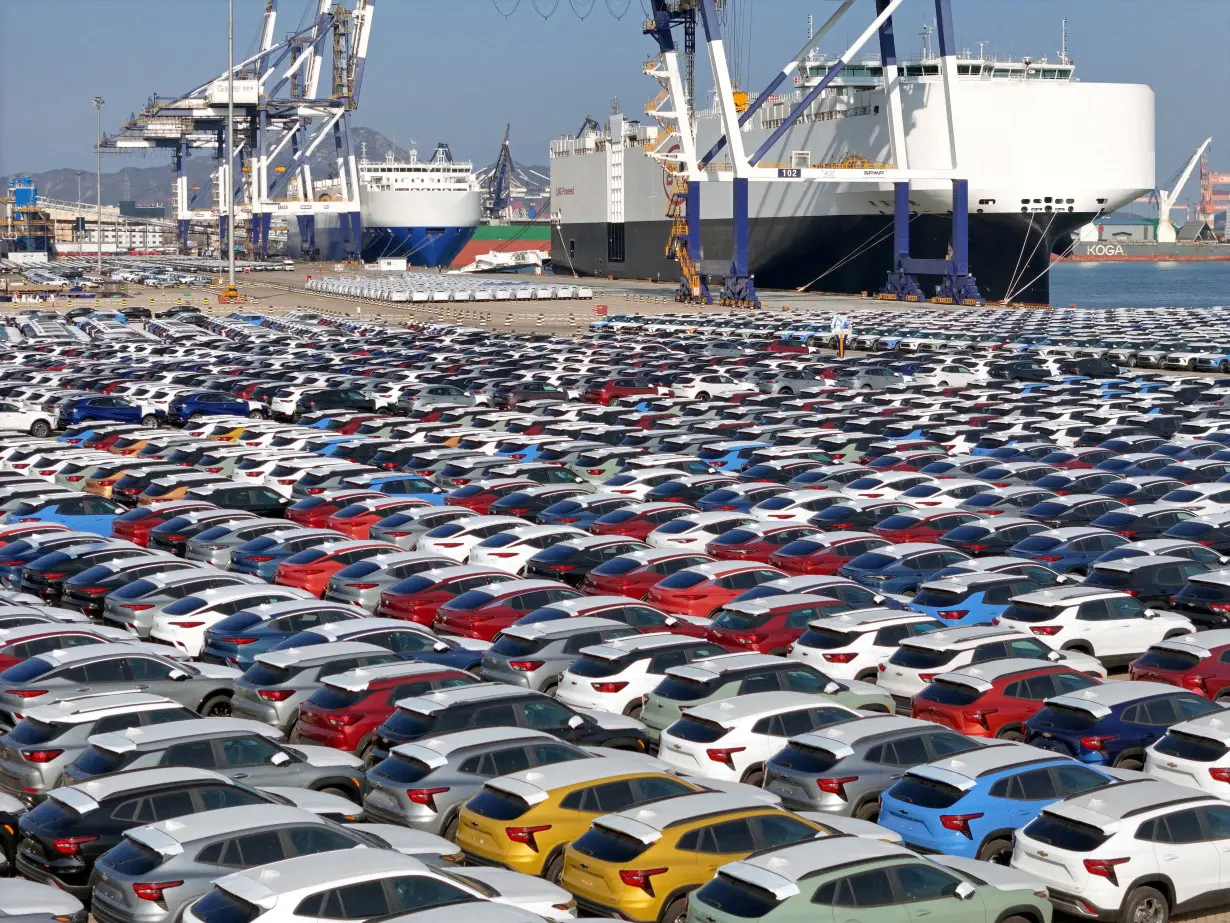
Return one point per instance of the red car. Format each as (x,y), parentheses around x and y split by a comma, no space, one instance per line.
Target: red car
(417,598)
(921,526)
(771,624)
(17,644)
(484,612)
(357,519)
(136,524)
(348,707)
(644,618)
(1187,661)
(314,512)
(634,573)
(825,553)
(479,495)
(603,392)
(906,461)
(756,542)
(311,569)
(704,588)
(997,697)
(638,519)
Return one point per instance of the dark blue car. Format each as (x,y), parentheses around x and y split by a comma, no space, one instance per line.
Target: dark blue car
(1068,550)
(1112,724)
(261,556)
(237,639)
(191,404)
(412,642)
(900,568)
(102,407)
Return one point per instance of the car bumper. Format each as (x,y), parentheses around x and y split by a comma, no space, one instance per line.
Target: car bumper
(243,707)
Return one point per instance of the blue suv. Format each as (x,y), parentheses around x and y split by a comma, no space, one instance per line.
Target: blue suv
(1072,549)
(83,512)
(184,407)
(102,407)
(969,805)
(970,599)
(1111,725)
(900,568)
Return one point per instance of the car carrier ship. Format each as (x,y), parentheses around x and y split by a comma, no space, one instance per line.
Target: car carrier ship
(1044,153)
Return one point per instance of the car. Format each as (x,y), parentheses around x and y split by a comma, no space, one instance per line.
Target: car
(1112,724)
(80,512)
(770,624)
(181,623)
(260,557)
(991,536)
(19,643)
(214,544)
(91,409)
(852,645)
(536,655)
(969,805)
(134,605)
(976,598)
(843,769)
(1194,661)
(1068,550)
(995,698)
(1153,579)
(634,573)
(571,560)
(900,568)
(418,598)
(826,552)
(701,589)
(486,610)
(34,421)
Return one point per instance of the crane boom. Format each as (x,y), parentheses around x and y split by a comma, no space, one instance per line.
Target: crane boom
(1166,197)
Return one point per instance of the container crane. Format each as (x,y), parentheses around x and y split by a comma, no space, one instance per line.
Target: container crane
(1166,197)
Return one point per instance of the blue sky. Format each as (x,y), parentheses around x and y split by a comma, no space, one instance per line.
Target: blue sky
(458,70)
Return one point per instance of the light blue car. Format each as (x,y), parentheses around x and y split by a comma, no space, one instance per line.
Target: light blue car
(82,513)
(970,599)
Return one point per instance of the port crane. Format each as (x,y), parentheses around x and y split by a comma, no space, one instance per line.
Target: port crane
(688,169)
(1166,197)
(282,118)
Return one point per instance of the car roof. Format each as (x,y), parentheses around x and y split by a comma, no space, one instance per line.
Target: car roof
(960,638)
(1099,700)
(360,678)
(153,735)
(1139,561)
(870,619)
(778,871)
(962,769)
(336,631)
(261,885)
(559,628)
(1103,807)
(313,654)
(439,699)
(1199,643)
(618,648)
(85,708)
(1066,595)
(646,822)
(166,836)
(88,794)
(67,655)
(433,750)
(757,705)
(712,667)
(532,785)
(840,738)
(982,675)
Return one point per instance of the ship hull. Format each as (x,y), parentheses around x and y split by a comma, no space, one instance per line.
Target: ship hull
(1010,256)
(1151,252)
(422,246)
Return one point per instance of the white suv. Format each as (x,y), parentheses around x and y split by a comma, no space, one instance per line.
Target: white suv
(1195,753)
(1135,851)
(854,644)
(1112,626)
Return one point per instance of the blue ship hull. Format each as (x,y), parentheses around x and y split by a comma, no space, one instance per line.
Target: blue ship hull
(429,247)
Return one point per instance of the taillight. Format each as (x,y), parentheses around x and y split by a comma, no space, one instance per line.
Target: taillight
(236,640)
(26,693)
(979,715)
(343,721)
(1196,683)
(261,558)
(40,756)
(640,878)
(137,607)
(1045,629)
(836,786)
(724,755)
(1222,608)
(275,695)
(427,797)
(1104,868)
(525,835)
(363,586)
(1048,558)
(1096,742)
(527,666)
(608,687)
(1220,773)
(71,845)
(953,613)
(185,624)
(959,823)
(152,890)
(840,658)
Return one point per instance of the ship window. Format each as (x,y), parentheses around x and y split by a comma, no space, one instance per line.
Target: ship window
(1071,201)
(1048,199)
(963,70)
(932,69)
(615,242)
(572,248)
(986,201)
(1024,201)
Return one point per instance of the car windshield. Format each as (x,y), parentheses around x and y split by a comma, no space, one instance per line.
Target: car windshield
(1037,544)
(473,599)
(872,560)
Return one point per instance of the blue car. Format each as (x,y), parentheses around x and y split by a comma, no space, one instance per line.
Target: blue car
(900,568)
(969,805)
(738,498)
(1072,549)
(400,484)
(412,642)
(237,639)
(102,407)
(189,405)
(261,556)
(583,510)
(1111,725)
(732,455)
(83,513)
(970,599)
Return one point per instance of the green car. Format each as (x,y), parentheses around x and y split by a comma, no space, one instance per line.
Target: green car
(728,675)
(846,879)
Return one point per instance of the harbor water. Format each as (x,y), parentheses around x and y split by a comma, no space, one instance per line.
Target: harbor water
(1140,285)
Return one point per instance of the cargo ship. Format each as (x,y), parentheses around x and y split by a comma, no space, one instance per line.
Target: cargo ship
(1044,154)
(505,238)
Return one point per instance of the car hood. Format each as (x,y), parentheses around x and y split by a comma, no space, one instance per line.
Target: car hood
(316,802)
(326,756)
(1083,662)
(216,670)
(852,826)
(1002,877)
(612,722)
(410,842)
(18,896)
(516,888)
(470,644)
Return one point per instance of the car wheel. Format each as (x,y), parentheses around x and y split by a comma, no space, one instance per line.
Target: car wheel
(1145,905)
(998,851)
(216,706)
(41,429)
(450,829)
(554,869)
(786,391)
(364,749)
(1130,762)
(550,689)
(255,415)
(676,911)
(1191,364)
(1009,734)
(340,792)
(149,420)
(755,777)
(868,676)
(702,396)
(868,810)
(1223,366)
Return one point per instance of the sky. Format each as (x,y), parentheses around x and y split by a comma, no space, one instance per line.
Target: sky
(459,70)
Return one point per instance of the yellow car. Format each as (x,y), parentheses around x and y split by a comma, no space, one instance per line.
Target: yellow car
(524,820)
(641,864)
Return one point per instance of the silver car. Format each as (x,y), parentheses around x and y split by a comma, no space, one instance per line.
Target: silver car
(31,902)
(274,686)
(869,378)
(48,738)
(423,785)
(134,606)
(215,544)
(189,852)
(360,584)
(404,529)
(535,655)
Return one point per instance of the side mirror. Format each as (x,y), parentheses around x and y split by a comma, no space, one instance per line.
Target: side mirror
(877,598)
(576,721)
(1054,655)
(1150,613)
(178,675)
(279,759)
(671,621)
(964,891)
(831,688)
(440,647)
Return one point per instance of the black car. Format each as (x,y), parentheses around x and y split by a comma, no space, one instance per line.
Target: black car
(1022,370)
(687,489)
(570,562)
(990,537)
(257,499)
(1072,510)
(1211,530)
(1090,367)
(334,399)
(1143,521)
(1152,579)
(1144,489)
(1205,600)
(136,312)
(45,576)
(87,591)
(526,503)
(861,517)
(1076,482)
(498,705)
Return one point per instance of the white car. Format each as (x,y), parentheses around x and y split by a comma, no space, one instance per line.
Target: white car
(796,505)
(1128,852)
(34,421)
(886,485)
(696,530)
(639,483)
(708,386)
(948,493)
(1195,753)
(1112,626)
(854,644)
(457,539)
(510,550)
(731,740)
(615,676)
(283,477)
(948,373)
(1202,499)
(182,624)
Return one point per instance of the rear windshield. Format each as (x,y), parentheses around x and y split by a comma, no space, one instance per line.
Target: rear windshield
(1028,612)
(1191,747)
(968,533)
(131,858)
(679,688)
(805,759)
(930,596)
(608,845)
(926,793)
(683,580)
(729,895)
(1198,590)
(262,674)
(95,761)
(1036,544)
(827,639)
(511,646)
(920,658)
(473,599)
(616,567)
(697,730)
(497,805)
(400,769)
(872,561)
(26,671)
(597,667)
(741,621)
(32,732)
(330,697)
(220,907)
(1060,833)
(1160,658)
(1110,579)
(1065,718)
(946,693)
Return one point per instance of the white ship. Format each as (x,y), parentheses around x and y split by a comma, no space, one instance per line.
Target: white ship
(425,211)
(1044,154)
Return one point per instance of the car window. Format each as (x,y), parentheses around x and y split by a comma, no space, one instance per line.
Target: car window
(1125,607)
(198,754)
(544,714)
(227,796)
(945,744)
(418,892)
(733,836)
(502,762)
(316,838)
(106,671)
(1071,780)
(1179,827)
(1217,819)
(909,751)
(351,902)
(145,669)
(866,889)
(166,805)
(249,750)
(923,883)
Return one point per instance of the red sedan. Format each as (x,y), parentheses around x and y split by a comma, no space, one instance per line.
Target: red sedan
(311,569)
(921,526)
(136,524)
(603,392)
(632,574)
(637,520)
(18,644)
(704,588)
(756,542)
(771,624)
(484,612)
(314,512)
(357,519)
(1188,661)
(417,598)
(825,553)
(479,495)
(976,701)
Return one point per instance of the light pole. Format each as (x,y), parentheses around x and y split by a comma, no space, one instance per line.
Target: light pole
(230,142)
(98,104)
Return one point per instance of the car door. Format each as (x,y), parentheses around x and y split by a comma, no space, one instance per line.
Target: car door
(1185,852)
(152,675)
(1125,629)
(720,843)
(256,760)
(1022,795)
(862,897)
(929,893)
